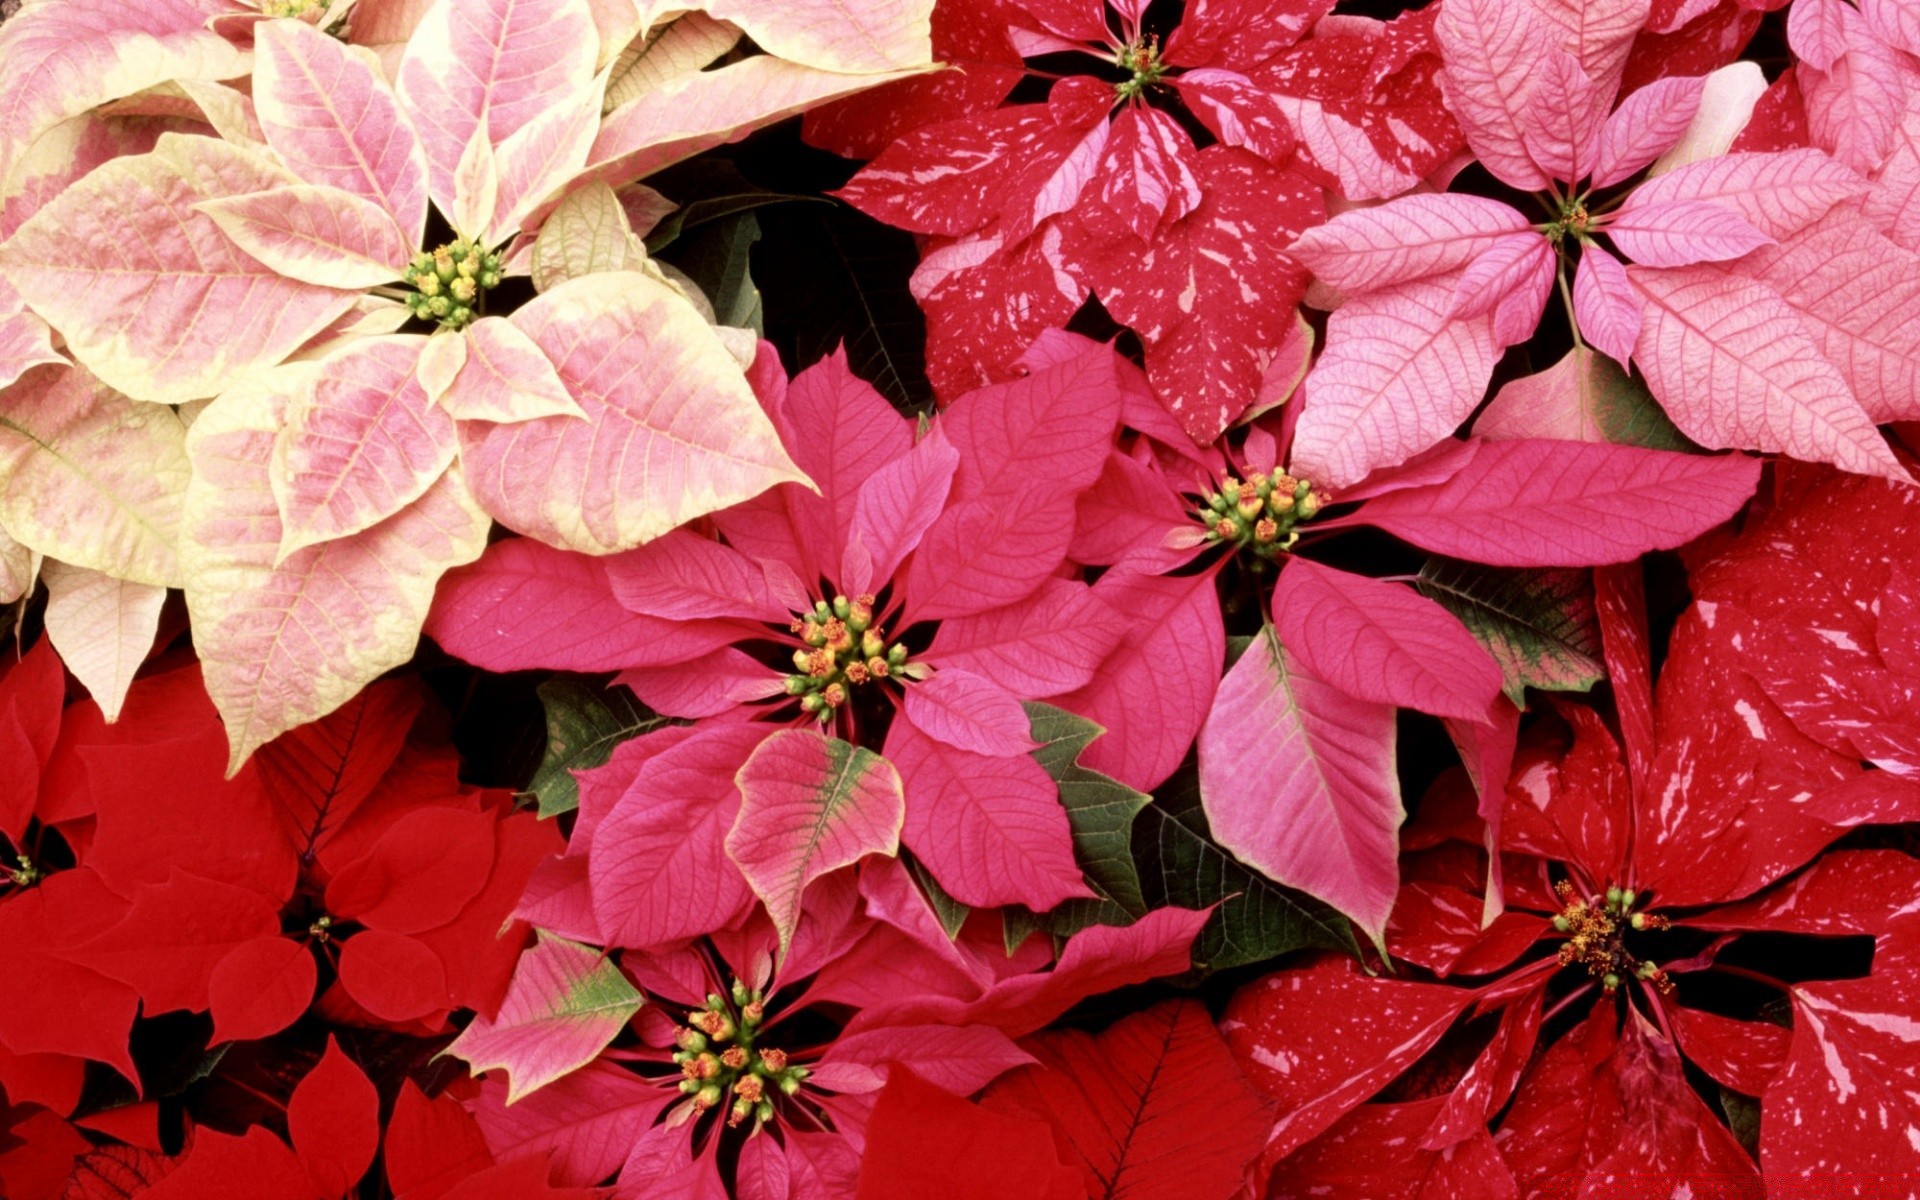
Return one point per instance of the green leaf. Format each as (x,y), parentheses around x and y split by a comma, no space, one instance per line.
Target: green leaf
(584,724)
(949,912)
(718,257)
(1257,919)
(1539,626)
(1587,397)
(1101,812)
(712,190)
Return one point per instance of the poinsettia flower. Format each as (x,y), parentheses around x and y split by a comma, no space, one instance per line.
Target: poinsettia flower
(762,1055)
(882,632)
(1634,864)
(1296,743)
(1438,285)
(1101,189)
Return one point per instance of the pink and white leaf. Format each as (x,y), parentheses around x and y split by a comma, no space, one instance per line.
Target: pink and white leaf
(1531,503)
(317,234)
(1677,233)
(809,805)
(1511,280)
(330,115)
(103,628)
(26,342)
(360,443)
(1646,125)
(502,377)
(285,642)
(163,306)
(1237,111)
(1734,366)
(1146,171)
(970,712)
(1364,249)
(541,156)
(856,39)
(1777,193)
(565,1003)
(1381,642)
(1298,782)
(492,66)
(1605,305)
(1494,50)
(672,430)
(1398,375)
(991,830)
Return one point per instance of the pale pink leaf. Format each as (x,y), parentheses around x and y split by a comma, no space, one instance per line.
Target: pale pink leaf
(1735,368)
(1563,117)
(672,430)
(321,235)
(809,805)
(1493,51)
(1382,642)
(162,306)
(671,825)
(60,60)
(1647,124)
(586,1121)
(1817,31)
(1511,280)
(565,1003)
(1398,374)
(492,67)
(282,643)
(1565,504)
(898,503)
(1894,201)
(1604,304)
(1052,642)
(26,342)
(333,119)
(476,189)
(1777,193)
(962,1060)
(971,712)
(703,109)
(540,157)
(1858,294)
(92,478)
(1676,233)
(502,377)
(1597,33)
(873,35)
(1298,783)
(683,576)
(103,628)
(992,830)
(1855,106)
(1895,22)
(1367,248)
(360,443)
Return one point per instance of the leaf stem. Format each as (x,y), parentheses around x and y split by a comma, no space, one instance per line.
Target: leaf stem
(1566,298)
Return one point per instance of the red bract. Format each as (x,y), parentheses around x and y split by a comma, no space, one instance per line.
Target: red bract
(143,878)
(1101,189)
(790,1057)
(910,605)
(1646,855)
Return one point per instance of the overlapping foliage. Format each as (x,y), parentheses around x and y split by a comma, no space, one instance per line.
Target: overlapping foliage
(1387,667)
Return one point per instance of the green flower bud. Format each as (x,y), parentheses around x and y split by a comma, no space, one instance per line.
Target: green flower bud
(1627,897)
(1562,924)
(896,656)
(1613,897)
(789,1083)
(842,607)
(489,279)
(689,1086)
(708,1096)
(440,306)
(1638,920)
(763,1111)
(796,684)
(1610,982)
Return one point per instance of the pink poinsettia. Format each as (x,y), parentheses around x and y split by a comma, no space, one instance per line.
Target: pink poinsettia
(1640,849)
(754,1065)
(1101,189)
(1296,743)
(860,653)
(1436,286)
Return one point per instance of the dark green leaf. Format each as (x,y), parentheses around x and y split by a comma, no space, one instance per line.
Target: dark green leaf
(1257,919)
(1538,625)
(717,257)
(1101,811)
(711,190)
(584,724)
(949,912)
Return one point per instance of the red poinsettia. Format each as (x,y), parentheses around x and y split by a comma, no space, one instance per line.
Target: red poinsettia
(759,1055)
(891,622)
(1101,188)
(144,881)
(1639,856)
